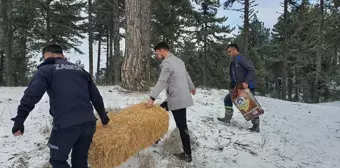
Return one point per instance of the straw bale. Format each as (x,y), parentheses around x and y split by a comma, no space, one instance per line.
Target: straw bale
(129,131)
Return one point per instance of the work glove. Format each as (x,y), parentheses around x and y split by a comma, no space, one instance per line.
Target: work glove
(18,127)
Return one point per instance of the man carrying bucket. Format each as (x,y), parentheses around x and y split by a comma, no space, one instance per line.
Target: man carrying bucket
(242,72)
(175,78)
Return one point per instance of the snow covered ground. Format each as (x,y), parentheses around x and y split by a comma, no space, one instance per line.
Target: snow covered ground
(293,135)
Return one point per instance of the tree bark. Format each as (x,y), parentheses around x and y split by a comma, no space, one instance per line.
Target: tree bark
(48,21)
(290,86)
(98,61)
(204,68)
(135,68)
(116,40)
(90,38)
(146,36)
(2,57)
(21,59)
(107,57)
(111,63)
(2,62)
(8,40)
(296,84)
(3,27)
(278,87)
(285,63)
(336,59)
(316,95)
(246,27)
(173,16)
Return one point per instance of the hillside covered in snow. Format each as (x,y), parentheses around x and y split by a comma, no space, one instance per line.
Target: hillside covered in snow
(293,135)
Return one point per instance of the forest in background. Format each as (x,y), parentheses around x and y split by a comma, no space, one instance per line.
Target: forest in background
(298,60)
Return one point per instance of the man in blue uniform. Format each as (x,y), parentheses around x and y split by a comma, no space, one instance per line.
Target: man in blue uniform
(242,72)
(72,93)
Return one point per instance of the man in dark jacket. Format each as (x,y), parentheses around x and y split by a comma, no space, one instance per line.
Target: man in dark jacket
(242,72)
(71,91)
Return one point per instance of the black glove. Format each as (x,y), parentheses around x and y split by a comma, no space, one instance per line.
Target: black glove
(105,119)
(165,106)
(18,127)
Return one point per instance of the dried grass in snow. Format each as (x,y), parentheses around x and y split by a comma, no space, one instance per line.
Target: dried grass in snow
(129,131)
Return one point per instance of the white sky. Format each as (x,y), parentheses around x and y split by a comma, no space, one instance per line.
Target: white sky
(268,12)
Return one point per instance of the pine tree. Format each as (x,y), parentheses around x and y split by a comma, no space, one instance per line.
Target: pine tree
(60,22)
(209,34)
(108,19)
(248,12)
(135,68)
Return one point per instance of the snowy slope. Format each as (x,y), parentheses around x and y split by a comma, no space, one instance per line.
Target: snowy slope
(293,135)
(335,103)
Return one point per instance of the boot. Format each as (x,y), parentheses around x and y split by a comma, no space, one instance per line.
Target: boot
(256,125)
(228,115)
(183,156)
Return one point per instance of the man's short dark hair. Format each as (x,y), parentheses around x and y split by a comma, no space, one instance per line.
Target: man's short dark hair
(53,48)
(162,45)
(233,46)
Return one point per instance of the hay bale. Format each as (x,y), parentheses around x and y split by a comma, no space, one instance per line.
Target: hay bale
(129,131)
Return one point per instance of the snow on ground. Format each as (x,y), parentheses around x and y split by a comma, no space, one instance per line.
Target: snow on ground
(334,103)
(293,135)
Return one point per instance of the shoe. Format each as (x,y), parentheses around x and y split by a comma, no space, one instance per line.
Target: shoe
(183,156)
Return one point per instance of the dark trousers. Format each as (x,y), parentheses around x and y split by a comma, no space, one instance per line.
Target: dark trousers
(228,103)
(78,138)
(180,117)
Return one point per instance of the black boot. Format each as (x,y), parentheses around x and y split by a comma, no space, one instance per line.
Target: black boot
(256,125)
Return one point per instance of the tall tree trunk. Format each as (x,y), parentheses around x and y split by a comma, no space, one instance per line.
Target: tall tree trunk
(290,86)
(48,21)
(8,40)
(107,76)
(3,38)
(173,16)
(246,27)
(111,63)
(336,57)
(22,59)
(90,38)
(98,61)
(316,95)
(204,68)
(146,43)
(2,62)
(116,40)
(296,84)
(135,71)
(285,63)
(278,87)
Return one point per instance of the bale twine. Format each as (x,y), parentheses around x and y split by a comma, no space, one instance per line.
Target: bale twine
(129,131)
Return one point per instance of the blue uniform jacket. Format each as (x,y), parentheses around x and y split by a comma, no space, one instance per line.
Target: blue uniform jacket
(71,90)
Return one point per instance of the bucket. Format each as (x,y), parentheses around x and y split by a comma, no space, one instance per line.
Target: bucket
(247,104)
